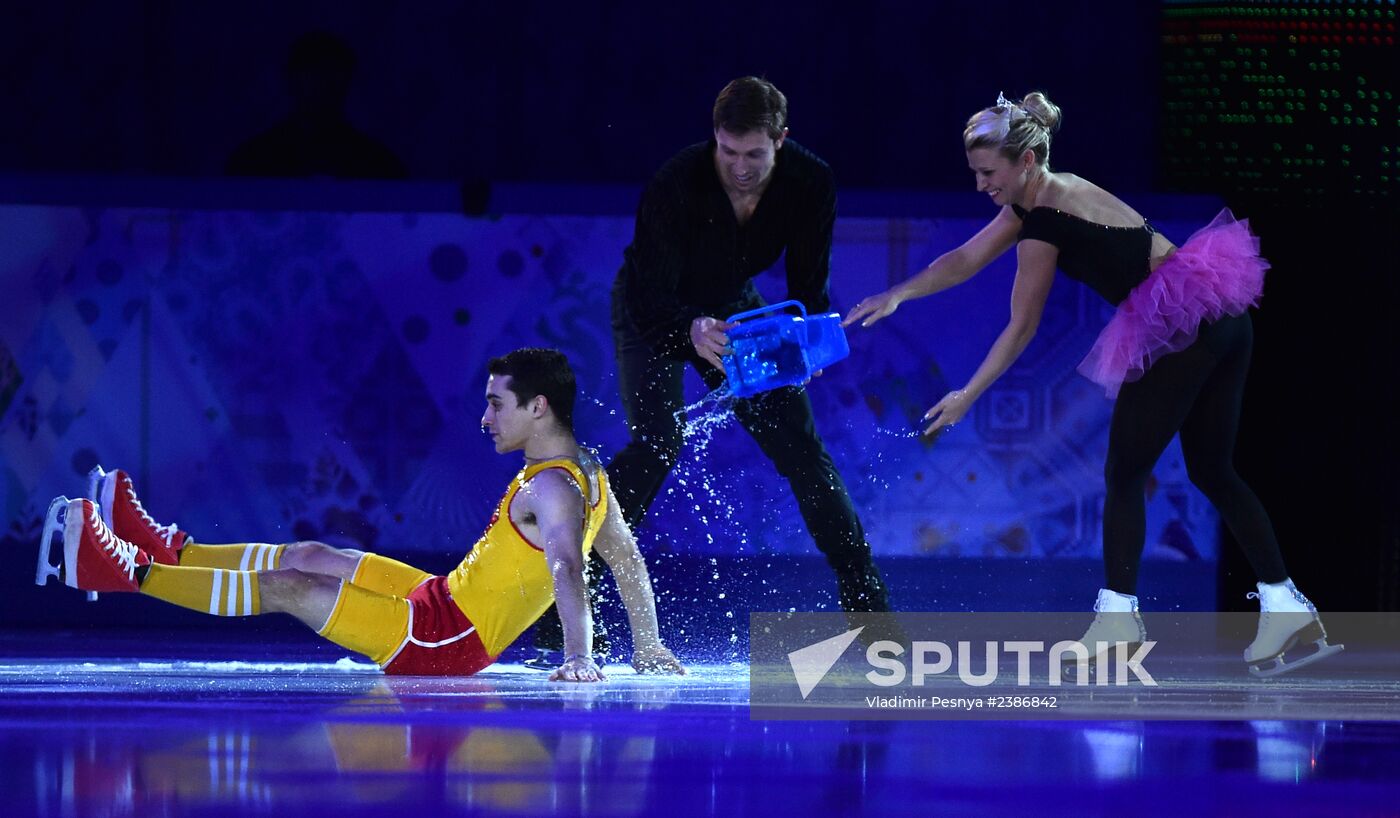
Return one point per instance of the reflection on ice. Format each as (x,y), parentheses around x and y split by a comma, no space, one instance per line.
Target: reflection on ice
(164,737)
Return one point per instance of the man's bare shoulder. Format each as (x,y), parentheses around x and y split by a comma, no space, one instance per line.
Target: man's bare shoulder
(552,488)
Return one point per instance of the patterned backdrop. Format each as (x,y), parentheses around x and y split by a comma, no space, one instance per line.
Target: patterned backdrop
(309,375)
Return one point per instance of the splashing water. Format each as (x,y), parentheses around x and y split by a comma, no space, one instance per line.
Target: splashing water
(703,491)
(612,410)
(907,434)
(879,456)
(700,420)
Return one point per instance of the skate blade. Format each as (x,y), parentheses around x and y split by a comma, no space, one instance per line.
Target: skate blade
(101,491)
(1280,666)
(1069,671)
(53,526)
(544,662)
(53,535)
(95,483)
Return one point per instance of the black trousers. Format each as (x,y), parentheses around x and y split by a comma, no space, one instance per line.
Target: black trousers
(1197,392)
(779,420)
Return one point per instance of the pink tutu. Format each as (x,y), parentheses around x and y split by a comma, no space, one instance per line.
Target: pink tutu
(1217,272)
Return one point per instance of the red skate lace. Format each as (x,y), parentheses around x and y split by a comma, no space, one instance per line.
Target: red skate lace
(166,532)
(121,550)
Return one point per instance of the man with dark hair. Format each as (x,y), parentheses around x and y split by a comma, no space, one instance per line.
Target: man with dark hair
(407,621)
(751,104)
(534,372)
(715,216)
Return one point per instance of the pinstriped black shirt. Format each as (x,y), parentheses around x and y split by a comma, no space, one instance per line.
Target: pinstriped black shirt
(690,257)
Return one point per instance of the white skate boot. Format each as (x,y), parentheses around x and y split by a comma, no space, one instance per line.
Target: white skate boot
(1286,620)
(1117,626)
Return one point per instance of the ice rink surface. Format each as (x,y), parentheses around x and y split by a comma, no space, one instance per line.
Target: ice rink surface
(187,726)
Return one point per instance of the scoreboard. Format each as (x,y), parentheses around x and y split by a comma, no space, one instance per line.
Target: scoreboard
(1290,99)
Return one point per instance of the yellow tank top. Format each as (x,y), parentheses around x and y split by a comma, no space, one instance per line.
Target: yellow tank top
(503,585)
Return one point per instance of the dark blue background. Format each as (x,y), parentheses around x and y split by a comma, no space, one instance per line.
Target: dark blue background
(100,99)
(589,92)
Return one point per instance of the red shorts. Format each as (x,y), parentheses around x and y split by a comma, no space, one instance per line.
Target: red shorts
(441,641)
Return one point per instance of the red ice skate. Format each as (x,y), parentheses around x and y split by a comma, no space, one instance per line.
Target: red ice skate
(94,559)
(123,513)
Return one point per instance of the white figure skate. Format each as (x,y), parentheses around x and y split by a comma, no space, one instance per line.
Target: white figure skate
(1117,626)
(1287,620)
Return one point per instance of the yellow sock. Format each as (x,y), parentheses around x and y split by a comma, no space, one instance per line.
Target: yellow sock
(244,556)
(208,590)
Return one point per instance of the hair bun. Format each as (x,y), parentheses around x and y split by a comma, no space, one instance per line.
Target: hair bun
(1042,109)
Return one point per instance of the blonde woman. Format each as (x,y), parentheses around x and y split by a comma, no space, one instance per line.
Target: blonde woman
(1174,355)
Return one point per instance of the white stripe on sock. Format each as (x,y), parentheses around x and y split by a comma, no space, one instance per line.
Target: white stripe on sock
(214,596)
(231,602)
(247,594)
(248,551)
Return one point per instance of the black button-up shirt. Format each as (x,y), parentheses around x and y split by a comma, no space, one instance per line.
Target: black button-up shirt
(690,256)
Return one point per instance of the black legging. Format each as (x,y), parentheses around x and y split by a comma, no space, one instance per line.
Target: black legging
(1198,392)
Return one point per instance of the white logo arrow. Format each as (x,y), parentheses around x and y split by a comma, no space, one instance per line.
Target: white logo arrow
(811,664)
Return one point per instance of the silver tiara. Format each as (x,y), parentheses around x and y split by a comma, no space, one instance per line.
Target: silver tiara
(1016,110)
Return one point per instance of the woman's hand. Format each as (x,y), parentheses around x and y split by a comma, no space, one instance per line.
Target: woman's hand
(872,309)
(947,411)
